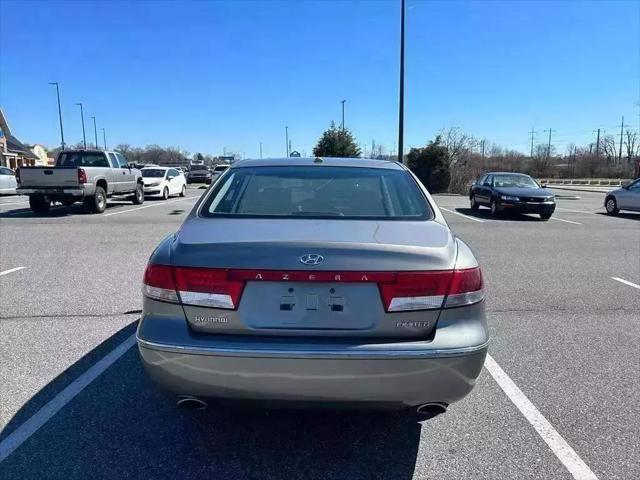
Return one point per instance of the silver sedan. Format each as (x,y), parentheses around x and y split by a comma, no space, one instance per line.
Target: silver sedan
(625,198)
(320,281)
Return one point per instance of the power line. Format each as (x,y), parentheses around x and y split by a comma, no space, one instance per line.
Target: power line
(551,130)
(532,133)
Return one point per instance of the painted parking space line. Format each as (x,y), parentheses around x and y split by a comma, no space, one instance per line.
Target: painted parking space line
(11,270)
(13,203)
(565,221)
(558,445)
(626,282)
(53,406)
(462,215)
(575,211)
(159,204)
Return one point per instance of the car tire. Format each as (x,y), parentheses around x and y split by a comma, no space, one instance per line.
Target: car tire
(39,203)
(474,204)
(98,202)
(183,192)
(611,206)
(138,195)
(545,216)
(494,209)
(165,193)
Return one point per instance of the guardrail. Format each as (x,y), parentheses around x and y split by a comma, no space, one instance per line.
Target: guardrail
(605,182)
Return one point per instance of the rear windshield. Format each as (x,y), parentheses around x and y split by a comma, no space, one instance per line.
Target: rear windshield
(220,168)
(82,159)
(152,172)
(317,192)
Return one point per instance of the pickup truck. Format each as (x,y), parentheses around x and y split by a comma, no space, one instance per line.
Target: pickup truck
(89,176)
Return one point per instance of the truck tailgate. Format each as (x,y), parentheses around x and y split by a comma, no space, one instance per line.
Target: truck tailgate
(51,177)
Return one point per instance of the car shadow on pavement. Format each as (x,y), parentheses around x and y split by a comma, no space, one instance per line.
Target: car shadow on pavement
(485,214)
(58,210)
(628,216)
(122,426)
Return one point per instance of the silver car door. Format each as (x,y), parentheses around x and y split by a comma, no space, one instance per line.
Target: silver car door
(633,196)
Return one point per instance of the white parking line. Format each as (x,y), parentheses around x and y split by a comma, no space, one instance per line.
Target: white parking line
(574,211)
(53,406)
(462,215)
(626,282)
(556,443)
(13,203)
(159,204)
(11,270)
(565,221)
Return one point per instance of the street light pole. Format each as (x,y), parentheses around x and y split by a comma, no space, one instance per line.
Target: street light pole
(104,138)
(84,136)
(342,102)
(260,150)
(401,108)
(59,112)
(286,137)
(95,132)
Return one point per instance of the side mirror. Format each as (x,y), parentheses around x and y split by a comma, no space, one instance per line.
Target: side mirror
(625,184)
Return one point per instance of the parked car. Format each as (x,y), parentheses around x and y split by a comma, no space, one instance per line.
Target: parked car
(217,171)
(199,174)
(90,176)
(511,192)
(331,281)
(163,181)
(625,198)
(8,181)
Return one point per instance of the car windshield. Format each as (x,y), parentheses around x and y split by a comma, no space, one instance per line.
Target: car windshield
(318,192)
(82,159)
(152,172)
(198,167)
(221,168)
(510,180)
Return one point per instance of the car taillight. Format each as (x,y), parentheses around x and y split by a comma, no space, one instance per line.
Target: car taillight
(432,290)
(159,283)
(208,287)
(82,175)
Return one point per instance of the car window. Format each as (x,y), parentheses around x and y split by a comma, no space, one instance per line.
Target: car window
(114,160)
(482,180)
(221,168)
(5,171)
(173,173)
(318,192)
(122,161)
(488,180)
(153,172)
(635,186)
(82,159)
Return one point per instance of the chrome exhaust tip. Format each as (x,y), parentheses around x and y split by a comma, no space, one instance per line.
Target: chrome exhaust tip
(191,403)
(430,410)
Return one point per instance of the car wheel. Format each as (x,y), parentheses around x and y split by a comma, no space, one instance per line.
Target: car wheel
(165,193)
(39,203)
(97,203)
(474,204)
(611,206)
(545,216)
(138,195)
(494,209)
(183,192)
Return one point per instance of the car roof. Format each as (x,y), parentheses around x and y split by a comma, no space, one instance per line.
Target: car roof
(506,173)
(318,161)
(155,167)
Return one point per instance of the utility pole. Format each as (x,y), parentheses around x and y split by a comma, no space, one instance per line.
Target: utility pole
(551,130)
(95,132)
(532,133)
(59,113)
(286,139)
(597,144)
(342,102)
(621,133)
(290,150)
(260,150)
(84,136)
(482,145)
(401,106)
(104,138)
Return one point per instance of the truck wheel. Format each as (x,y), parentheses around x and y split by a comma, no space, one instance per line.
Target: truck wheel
(97,203)
(39,203)
(138,195)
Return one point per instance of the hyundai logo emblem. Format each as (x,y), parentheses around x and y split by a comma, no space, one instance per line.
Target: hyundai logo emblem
(312,259)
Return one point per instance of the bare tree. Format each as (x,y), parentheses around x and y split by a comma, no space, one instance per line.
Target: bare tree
(631,145)
(609,150)
(458,143)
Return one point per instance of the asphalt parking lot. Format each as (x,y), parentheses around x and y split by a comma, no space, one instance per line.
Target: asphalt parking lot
(75,403)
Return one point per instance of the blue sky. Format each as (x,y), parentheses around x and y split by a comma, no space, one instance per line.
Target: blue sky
(211,75)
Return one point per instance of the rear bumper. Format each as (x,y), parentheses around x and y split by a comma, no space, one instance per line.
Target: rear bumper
(384,374)
(75,192)
(151,191)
